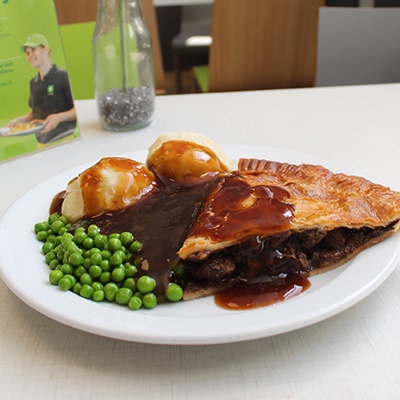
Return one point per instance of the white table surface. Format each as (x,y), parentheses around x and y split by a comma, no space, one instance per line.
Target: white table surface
(354,355)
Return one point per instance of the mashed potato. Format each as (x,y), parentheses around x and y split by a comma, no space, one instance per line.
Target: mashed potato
(110,185)
(186,158)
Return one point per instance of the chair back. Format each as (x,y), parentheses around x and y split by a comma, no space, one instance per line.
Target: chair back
(149,15)
(358,46)
(263,44)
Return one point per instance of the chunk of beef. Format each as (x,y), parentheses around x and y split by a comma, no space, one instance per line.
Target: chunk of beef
(215,268)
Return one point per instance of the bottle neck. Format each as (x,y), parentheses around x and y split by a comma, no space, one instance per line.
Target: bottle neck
(113,12)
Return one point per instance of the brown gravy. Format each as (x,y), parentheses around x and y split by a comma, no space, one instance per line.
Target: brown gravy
(244,296)
(235,207)
(162,219)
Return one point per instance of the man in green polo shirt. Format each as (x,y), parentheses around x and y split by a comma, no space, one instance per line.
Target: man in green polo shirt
(50,93)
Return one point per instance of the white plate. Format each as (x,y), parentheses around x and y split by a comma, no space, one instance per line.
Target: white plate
(195,322)
(4,131)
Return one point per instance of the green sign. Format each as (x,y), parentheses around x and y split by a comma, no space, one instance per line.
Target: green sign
(37,109)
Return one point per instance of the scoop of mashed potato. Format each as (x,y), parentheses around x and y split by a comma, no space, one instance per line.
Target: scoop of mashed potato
(186,158)
(110,185)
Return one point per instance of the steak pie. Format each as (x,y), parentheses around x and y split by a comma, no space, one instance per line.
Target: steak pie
(271,219)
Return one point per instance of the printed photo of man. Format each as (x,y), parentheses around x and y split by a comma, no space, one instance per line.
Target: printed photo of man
(50,97)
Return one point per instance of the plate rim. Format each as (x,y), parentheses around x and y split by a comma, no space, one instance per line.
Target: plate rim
(24,132)
(186,336)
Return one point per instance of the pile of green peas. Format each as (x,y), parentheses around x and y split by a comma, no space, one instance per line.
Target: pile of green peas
(97,266)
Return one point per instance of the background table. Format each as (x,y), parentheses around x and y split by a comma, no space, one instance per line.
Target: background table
(353,355)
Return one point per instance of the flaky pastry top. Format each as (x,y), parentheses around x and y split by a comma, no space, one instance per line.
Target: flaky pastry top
(323,199)
(320,199)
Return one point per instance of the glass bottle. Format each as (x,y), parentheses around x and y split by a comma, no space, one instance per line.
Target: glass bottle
(123,66)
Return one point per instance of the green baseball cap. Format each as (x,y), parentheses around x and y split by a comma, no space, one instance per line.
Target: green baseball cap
(35,40)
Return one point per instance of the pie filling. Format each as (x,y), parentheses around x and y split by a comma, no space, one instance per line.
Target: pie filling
(261,260)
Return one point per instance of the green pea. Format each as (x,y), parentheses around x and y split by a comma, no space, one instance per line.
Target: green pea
(88,243)
(105,265)
(97,286)
(56,226)
(87,262)
(79,237)
(53,217)
(93,231)
(86,291)
(174,292)
(149,300)
(145,284)
(77,287)
(67,269)
(71,278)
(86,279)
(135,303)
(42,236)
(179,270)
(118,275)
(130,270)
(123,295)
(100,241)
(65,256)
(98,295)
(75,259)
(40,226)
(47,247)
(55,276)
(114,244)
(94,250)
(116,259)
(51,238)
(95,271)
(80,271)
(110,290)
(105,277)
(64,284)
(63,220)
(130,283)
(126,238)
(59,249)
(72,247)
(135,246)
(60,254)
(66,238)
(51,255)
(106,254)
(63,230)
(53,264)
(96,258)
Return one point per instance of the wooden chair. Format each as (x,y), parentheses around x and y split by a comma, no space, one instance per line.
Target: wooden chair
(76,33)
(149,14)
(358,46)
(262,44)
